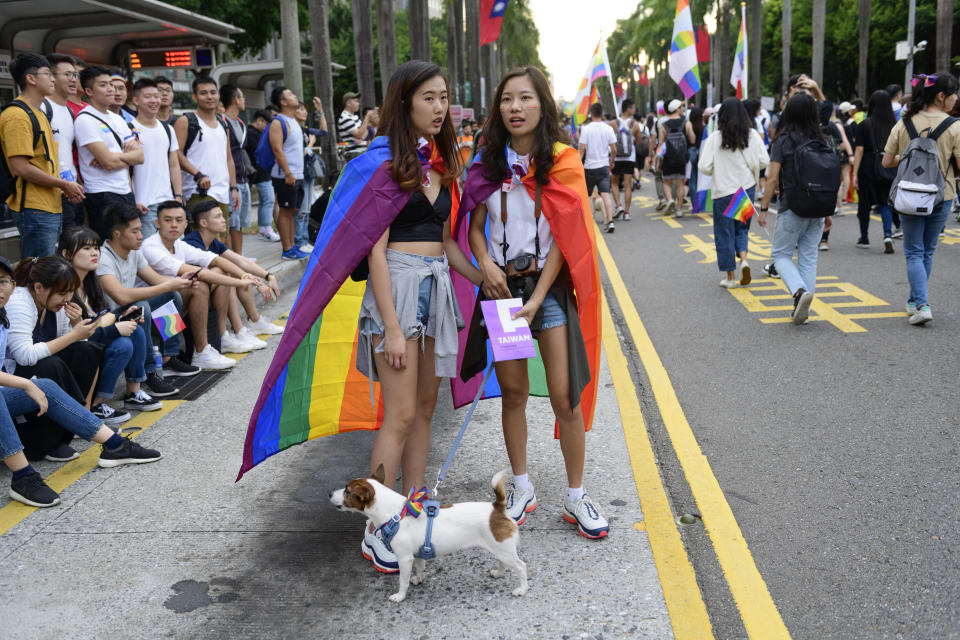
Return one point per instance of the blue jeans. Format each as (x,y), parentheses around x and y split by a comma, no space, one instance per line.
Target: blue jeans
(729,235)
(123,354)
(39,231)
(240,219)
(62,409)
(694,154)
(920,235)
(265,204)
(301,235)
(804,234)
(170,347)
(148,221)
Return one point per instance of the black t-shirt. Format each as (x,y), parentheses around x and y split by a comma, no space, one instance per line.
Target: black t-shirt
(781,151)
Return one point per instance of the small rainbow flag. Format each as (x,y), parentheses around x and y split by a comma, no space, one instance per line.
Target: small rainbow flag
(168,320)
(740,207)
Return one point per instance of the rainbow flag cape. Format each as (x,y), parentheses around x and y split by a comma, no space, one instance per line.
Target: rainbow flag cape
(312,388)
(566,207)
(683,52)
(167,320)
(738,74)
(740,207)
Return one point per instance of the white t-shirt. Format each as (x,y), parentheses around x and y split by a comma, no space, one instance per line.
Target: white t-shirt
(520,226)
(168,264)
(87,129)
(209,156)
(292,149)
(62,125)
(597,136)
(151,180)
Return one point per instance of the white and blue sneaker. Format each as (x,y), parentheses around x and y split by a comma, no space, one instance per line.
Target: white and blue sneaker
(519,502)
(376,551)
(585,515)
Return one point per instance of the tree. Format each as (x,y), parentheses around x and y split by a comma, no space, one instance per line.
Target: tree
(756,29)
(363,51)
(323,73)
(386,42)
(819,26)
(419,30)
(944,27)
(864,47)
(473,51)
(453,52)
(457,6)
(785,25)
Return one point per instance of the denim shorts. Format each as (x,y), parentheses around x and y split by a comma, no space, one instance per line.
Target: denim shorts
(553,314)
(424,296)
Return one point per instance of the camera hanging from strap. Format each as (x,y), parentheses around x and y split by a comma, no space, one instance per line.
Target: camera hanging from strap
(536,216)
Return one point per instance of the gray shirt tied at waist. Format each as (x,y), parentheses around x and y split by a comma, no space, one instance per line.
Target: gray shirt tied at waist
(406,273)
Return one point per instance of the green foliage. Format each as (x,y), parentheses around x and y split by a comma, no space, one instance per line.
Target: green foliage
(520,37)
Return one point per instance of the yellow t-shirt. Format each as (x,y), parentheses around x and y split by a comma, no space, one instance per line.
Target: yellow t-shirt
(947,144)
(16,139)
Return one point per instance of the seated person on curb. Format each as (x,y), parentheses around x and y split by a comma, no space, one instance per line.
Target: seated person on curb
(169,255)
(20,396)
(208,221)
(121,263)
(124,340)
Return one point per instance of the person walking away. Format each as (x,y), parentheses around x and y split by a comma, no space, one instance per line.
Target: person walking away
(934,96)
(837,141)
(733,155)
(627,131)
(158,179)
(260,177)
(871,180)
(674,142)
(808,173)
(598,147)
(695,126)
(65,84)
(286,140)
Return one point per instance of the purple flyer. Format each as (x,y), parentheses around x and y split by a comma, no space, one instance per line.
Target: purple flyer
(511,339)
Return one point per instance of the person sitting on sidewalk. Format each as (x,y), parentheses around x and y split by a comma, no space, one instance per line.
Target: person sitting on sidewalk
(207,223)
(121,263)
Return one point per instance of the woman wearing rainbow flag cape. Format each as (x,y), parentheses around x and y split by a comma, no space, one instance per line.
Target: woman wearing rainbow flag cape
(548,260)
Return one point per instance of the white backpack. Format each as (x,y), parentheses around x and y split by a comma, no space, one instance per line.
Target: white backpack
(918,188)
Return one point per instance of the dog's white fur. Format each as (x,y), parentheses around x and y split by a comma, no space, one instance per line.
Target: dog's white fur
(459,526)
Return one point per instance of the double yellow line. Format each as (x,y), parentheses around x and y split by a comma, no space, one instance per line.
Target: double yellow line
(688,613)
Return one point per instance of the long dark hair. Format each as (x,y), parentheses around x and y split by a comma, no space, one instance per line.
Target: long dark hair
(50,272)
(70,242)
(396,124)
(549,131)
(923,96)
(880,116)
(696,121)
(800,119)
(734,125)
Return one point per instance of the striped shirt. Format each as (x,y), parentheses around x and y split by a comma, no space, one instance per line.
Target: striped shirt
(348,122)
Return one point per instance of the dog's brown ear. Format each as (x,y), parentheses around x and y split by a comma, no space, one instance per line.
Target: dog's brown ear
(379,475)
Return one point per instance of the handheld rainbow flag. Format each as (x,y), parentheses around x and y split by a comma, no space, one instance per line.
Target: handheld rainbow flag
(738,74)
(167,320)
(598,67)
(740,207)
(683,52)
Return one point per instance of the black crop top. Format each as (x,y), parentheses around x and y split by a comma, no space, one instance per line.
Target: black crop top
(420,221)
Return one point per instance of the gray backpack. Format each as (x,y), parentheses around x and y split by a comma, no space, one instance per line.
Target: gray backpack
(624,139)
(918,188)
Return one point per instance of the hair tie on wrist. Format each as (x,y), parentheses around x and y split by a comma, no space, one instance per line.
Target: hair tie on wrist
(33,260)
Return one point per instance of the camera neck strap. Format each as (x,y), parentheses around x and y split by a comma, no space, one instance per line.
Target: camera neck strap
(536,216)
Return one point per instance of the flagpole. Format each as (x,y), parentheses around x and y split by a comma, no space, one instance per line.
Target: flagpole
(606,61)
(746,49)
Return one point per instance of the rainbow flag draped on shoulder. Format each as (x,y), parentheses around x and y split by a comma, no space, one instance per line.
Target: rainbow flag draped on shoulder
(566,207)
(312,387)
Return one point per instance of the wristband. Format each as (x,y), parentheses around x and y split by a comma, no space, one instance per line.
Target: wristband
(234,188)
(198,176)
(178,195)
(764,209)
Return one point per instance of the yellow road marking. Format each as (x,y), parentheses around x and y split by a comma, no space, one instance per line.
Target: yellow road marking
(688,612)
(14,512)
(757,609)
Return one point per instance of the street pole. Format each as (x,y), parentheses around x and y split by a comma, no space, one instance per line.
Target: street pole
(473,52)
(323,78)
(290,34)
(911,20)
(461,50)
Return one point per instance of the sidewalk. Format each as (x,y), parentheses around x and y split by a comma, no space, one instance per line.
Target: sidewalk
(177,549)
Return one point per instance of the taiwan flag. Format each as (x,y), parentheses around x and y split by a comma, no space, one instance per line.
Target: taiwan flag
(491,16)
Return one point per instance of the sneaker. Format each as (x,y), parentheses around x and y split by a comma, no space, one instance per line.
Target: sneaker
(519,503)
(269,235)
(157,387)
(626,216)
(292,254)
(610,227)
(108,415)
(729,284)
(306,248)
(63,453)
(922,316)
(771,270)
(888,245)
(660,205)
(141,401)
(671,208)
(231,343)
(585,515)
(862,244)
(911,308)
(824,245)
(33,491)
(250,339)
(210,358)
(745,276)
(375,551)
(264,326)
(128,453)
(897,233)
(177,367)
(801,306)
(619,212)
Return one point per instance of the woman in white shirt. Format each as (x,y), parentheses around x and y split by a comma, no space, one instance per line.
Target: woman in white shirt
(733,155)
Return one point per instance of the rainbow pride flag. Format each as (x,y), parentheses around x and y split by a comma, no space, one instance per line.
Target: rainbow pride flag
(597,68)
(312,387)
(738,73)
(167,320)
(683,52)
(740,207)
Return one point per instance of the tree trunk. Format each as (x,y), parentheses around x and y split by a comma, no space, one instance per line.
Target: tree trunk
(819,25)
(473,52)
(290,34)
(944,27)
(864,11)
(461,51)
(420,30)
(756,34)
(323,78)
(452,53)
(785,33)
(488,70)
(363,52)
(386,42)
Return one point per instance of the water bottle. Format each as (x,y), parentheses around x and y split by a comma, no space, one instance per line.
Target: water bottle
(158,360)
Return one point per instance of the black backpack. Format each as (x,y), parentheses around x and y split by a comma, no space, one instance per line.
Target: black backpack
(193,129)
(816,180)
(8,181)
(676,156)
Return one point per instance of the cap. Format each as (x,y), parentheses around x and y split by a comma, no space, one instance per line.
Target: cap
(845,107)
(5,264)
(350,95)
(673,106)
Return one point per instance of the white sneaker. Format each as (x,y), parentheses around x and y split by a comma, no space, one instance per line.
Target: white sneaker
(210,358)
(232,343)
(250,339)
(306,248)
(729,284)
(375,551)
(586,516)
(264,326)
(519,503)
(922,316)
(269,235)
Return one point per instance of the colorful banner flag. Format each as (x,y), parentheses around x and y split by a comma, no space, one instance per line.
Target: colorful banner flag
(168,320)
(642,77)
(683,52)
(491,17)
(598,67)
(740,207)
(703,43)
(738,74)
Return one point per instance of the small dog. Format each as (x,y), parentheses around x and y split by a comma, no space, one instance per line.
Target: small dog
(458,526)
